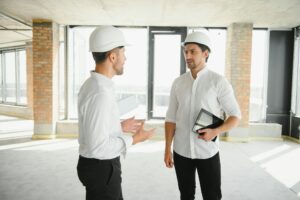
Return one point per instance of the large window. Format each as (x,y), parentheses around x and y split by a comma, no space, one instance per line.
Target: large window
(135,92)
(62,74)
(166,63)
(80,64)
(13,88)
(258,76)
(10,77)
(130,87)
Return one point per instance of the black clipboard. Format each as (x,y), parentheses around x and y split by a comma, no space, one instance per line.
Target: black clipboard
(206,119)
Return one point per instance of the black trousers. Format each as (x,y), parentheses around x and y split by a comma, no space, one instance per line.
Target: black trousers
(101,178)
(209,172)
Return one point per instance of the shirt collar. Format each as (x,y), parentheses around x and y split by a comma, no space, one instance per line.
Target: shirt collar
(100,78)
(200,73)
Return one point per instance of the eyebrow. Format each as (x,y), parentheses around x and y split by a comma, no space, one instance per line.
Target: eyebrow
(192,49)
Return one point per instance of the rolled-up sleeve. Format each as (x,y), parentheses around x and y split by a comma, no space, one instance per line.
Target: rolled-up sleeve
(227,99)
(173,105)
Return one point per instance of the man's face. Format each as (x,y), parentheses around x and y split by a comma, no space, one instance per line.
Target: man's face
(120,61)
(194,56)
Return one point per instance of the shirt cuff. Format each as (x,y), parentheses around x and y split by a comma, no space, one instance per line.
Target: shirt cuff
(235,114)
(170,120)
(128,143)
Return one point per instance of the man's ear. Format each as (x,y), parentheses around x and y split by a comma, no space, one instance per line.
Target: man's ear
(112,56)
(206,53)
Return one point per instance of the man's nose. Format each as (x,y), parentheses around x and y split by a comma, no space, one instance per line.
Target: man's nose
(187,55)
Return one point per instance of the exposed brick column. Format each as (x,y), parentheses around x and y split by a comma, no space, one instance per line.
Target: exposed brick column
(238,72)
(238,64)
(45,44)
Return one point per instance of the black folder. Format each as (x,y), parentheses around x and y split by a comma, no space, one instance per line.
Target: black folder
(205,120)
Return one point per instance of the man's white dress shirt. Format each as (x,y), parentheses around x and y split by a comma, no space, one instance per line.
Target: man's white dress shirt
(210,91)
(100,131)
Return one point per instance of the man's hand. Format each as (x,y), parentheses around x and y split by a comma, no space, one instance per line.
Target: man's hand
(169,159)
(208,134)
(131,125)
(142,135)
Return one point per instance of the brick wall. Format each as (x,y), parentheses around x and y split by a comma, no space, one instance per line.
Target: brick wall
(238,64)
(45,53)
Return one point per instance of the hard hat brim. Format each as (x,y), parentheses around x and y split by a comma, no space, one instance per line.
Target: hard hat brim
(110,47)
(183,44)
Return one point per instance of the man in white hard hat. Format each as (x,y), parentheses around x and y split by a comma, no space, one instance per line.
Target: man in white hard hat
(199,88)
(101,138)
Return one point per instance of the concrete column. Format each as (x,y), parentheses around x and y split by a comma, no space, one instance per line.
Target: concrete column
(45,46)
(238,67)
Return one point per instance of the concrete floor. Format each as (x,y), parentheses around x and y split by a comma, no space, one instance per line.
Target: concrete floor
(46,169)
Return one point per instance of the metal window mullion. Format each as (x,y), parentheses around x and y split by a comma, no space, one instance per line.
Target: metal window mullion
(297,107)
(3,79)
(66,67)
(2,75)
(295,79)
(69,70)
(263,116)
(17,75)
(150,75)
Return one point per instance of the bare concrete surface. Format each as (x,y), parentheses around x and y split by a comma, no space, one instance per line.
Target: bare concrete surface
(46,169)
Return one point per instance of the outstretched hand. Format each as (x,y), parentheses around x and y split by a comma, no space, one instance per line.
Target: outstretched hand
(142,134)
(131,125)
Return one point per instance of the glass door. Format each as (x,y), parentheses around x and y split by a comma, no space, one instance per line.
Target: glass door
(166,63)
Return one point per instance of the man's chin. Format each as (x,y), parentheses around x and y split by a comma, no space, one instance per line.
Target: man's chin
(120,73)
(190,66)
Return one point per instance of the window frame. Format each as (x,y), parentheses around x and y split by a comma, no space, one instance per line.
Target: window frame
(16,51)
(295,104)
(265,65)
(153,31)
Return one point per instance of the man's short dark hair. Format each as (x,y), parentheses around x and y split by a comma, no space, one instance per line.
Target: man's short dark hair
(201,46)
(99,57)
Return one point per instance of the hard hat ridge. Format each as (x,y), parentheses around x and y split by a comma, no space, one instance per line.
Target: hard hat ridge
(199,38)
(106,38)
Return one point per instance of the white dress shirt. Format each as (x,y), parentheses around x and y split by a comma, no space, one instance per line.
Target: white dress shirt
(210,91)
(100,131)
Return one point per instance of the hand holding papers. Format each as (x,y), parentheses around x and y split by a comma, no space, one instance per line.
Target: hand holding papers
(205,120)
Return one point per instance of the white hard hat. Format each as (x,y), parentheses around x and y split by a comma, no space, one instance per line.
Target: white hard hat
(106,38)
(198,37)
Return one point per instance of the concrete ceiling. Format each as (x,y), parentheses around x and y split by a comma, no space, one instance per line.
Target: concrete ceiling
(17,14)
